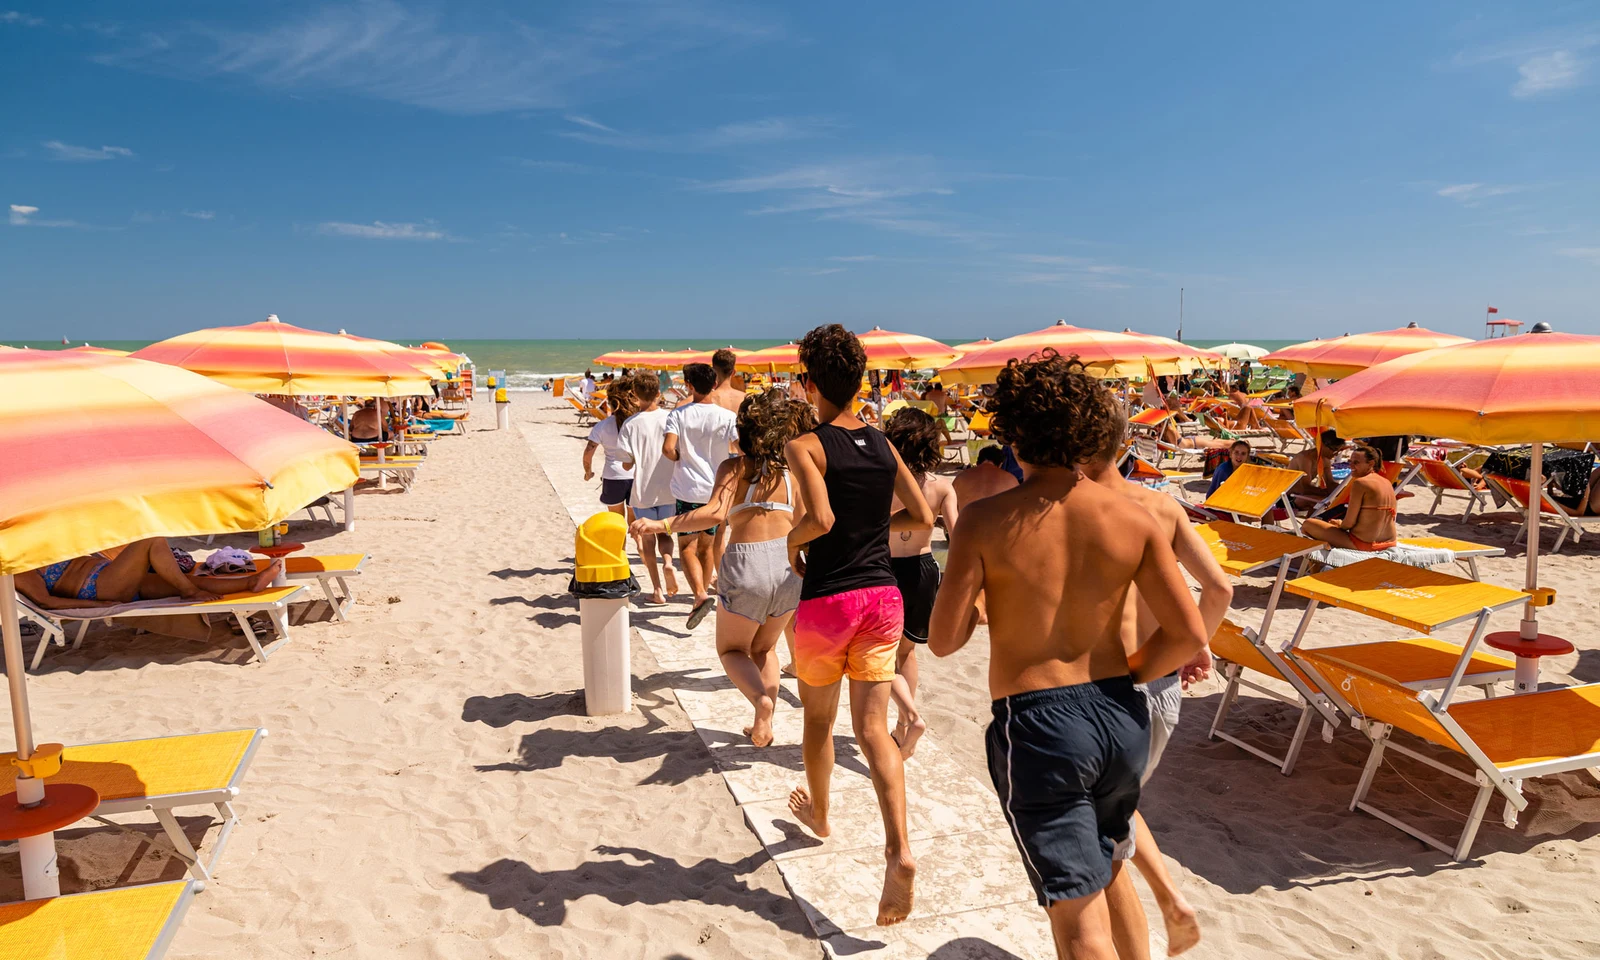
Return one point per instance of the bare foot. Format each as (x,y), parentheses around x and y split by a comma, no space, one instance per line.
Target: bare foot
(800,805)
(898,877)
(908,735)
(265,577)
(1183,927)
(671,578)
(656,599)
(760,732)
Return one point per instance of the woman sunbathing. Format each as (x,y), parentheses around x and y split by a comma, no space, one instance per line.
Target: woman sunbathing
(143,570)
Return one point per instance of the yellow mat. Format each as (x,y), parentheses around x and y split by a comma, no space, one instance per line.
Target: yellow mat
(149,768)
(1409,596)
(121,924)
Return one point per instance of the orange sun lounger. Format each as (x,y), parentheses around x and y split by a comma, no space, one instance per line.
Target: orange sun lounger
(124,923)
(1254,491)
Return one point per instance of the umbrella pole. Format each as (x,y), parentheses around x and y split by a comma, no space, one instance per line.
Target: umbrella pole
(1530,617)
(40,876)
(350,492)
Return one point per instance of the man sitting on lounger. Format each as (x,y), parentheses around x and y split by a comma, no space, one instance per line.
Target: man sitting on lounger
(1368,523)
(1316,463)
(364,423)
(143,570)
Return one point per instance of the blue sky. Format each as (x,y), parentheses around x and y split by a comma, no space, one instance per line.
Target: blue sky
(723,170)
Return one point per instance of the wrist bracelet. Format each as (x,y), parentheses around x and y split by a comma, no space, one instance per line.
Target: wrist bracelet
(667,526)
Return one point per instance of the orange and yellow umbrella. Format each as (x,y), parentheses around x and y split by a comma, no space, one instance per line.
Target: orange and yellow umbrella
(783,358)
(103,451)
(1292,358)
(1103,354)
(427,363)
(887,349)
(618,358)
(974,345)
(91,348)
(1189,358)
(279,358)
(1352,354)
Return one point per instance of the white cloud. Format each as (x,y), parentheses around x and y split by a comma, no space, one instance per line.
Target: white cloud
(20,214)
(452,58)
(1471,193)
(23,215)
(1586,254)
(552,166)
(201,214)
(1546,72)
(66,151)
(20,19)
(728,136)
(1076,271)
(379,230)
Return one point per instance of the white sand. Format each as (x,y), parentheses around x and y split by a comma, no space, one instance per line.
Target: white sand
(431,788)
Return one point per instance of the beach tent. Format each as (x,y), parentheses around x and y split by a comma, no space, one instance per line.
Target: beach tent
(103,451)
(1103,353)
(1346,355)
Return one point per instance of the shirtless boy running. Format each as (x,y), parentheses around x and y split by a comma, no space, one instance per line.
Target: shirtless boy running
(1058,556)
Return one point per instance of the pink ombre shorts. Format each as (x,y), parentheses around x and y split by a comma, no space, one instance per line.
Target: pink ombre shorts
(853,634)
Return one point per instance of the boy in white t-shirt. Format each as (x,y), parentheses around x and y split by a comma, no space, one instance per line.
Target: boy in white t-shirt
(700,435)
(639,445)
(616,479)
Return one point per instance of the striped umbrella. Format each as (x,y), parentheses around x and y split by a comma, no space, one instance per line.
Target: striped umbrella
(1103,353)
(783,358)
(1240,351)
(1535,388)
(1292,358)
(102,451)
(91,348)
(887,349)
(974,345)
(1189,358)
(426,363)
(1352,354)
(618,358)
(276,357)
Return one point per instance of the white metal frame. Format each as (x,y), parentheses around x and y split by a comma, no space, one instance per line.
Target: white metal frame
(340,601)
(1475,498)
(1570,523)
(53,622)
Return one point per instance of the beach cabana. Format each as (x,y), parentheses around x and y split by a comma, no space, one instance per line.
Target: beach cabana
(1103,353)
(104,451)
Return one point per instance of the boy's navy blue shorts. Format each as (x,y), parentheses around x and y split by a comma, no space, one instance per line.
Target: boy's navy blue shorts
(1066,763)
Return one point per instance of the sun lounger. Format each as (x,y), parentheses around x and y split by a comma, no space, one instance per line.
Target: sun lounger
(1505,739)
(401,468)
(1466,552)
(584,413)
(1519,493)
(1442,477)
(328,571)
(1254,491)
(124,923)
(161,774)
(1287,432)
(274,601)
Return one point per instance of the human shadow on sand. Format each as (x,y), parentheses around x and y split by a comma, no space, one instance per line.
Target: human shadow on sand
(509,708)
(508,573)
(632,876)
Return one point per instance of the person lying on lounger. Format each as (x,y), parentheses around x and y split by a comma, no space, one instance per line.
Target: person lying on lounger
(143,570)
(1368,524)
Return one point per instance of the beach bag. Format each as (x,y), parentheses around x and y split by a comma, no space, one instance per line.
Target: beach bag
(184,560)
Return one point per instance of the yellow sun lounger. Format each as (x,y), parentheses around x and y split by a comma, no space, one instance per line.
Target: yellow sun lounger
(125,923)
(161,774)
(1466,551)
(1506,739)
(1253,491)
(327,571)
(273,601)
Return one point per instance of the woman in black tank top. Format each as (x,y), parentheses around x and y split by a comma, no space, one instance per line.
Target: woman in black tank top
(861,469)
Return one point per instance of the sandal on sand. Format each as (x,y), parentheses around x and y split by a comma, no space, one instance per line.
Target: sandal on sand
(698,614)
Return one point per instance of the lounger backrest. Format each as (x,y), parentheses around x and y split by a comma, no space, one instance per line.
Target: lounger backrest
(1379,697)
(1520,491)
(1153,416)
(1252,490)
(1231,644)
(1437,473)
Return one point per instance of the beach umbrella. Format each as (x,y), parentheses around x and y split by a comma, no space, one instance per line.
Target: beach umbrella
(617,358)
(974,345)
(91,348)
(1292,358)
(1537,388)
(1189,359)
(1103,353)
(1241,351)
(1352,354)
(279,358)
(887,349)
(783,358)
(426,363)
(102,451)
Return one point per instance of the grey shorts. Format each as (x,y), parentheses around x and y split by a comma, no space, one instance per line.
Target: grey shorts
(1165,695)
(756,582)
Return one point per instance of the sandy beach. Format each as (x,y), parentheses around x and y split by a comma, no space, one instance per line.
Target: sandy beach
(431,787)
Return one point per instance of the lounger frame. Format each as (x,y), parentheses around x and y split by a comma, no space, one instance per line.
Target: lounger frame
(54,624)
(339,602)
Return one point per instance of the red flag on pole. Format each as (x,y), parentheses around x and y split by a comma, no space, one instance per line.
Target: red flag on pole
(1494,309)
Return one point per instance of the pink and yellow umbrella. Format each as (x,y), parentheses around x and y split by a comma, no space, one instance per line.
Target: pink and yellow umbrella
(103,451)
(974,345)
(783,358)
(91,348)
(278,358)
(887,349)
(1103,353)
(1333,359)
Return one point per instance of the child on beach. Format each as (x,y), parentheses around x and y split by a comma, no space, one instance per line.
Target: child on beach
(850,619)
(616,479)
(757,590)
(700,435)
(915,436)
(639,445)
(1058,556)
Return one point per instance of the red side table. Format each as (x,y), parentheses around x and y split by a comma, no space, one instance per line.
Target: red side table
(278,552)
(1528,653)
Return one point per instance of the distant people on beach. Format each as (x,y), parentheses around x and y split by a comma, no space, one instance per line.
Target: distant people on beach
(756,588)
(1059,556)
(851,618)
(700,435)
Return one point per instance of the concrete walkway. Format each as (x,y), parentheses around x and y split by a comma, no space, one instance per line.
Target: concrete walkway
(972,900)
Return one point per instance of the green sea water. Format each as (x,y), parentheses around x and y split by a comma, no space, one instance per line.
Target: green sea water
(528,363)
